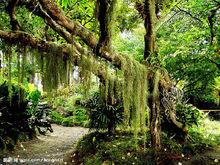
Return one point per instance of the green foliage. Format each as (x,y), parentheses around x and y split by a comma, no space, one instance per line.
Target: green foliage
(14,117)
(130,43)
(170,145)
(81,11)
(127,18)
(34,97)
(103,115)
(77,117)
(56,117)
(80,115)
(204,137)
(120,148)
(101,148)
(186,52)
(188,114)
(216,90)
(65,3)
(65,111)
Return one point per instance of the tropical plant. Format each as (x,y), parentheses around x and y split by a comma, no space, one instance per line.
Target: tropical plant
(102,115)
(14,118)
(188,114)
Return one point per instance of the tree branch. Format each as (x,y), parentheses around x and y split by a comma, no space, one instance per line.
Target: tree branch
(190,14)
(211,22)
(73,28)
(217,64)
(12,14)
(25,39)
(140,8)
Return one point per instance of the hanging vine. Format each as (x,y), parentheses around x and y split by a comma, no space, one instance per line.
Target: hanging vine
(9,59)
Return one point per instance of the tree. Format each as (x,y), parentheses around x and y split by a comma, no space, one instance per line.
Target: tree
(81,47)
(189,52)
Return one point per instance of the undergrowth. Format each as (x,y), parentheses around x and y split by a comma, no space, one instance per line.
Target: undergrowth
(65,111)
(121,148)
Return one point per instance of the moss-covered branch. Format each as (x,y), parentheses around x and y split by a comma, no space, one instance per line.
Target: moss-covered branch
(105,12)
(25,39)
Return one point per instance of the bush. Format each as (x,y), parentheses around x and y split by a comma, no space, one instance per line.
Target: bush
(34,97)
(188,114)
(102,115)
(14,117)
(75,117)
(205,136)
(18,120)
(65,111)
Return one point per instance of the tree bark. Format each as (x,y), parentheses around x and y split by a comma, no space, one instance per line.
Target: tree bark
(12,14)
(150,19)
(104,12)
(149,23)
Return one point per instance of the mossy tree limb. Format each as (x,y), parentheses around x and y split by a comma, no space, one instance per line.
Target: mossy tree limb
(57,17)
(149,49)
(105,12)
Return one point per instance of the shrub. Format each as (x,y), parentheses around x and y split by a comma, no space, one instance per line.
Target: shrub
(75,117)
(13,115)
(188,114)
(34,97)
(102,115)
(17,120)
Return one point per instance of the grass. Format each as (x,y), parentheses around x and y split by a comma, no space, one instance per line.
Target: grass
(121,148)
(208,133)
(98,148)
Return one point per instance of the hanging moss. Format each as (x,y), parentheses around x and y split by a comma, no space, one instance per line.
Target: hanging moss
(19,74)
(127,69)
(23,63)
(9,59)
(22,71)
(1,63)
(155,115)
(54,68)
(135,95)
(131,85)
(85,72)
(19,67)
(135,92)
(144,109)
(156,86)
(106,83)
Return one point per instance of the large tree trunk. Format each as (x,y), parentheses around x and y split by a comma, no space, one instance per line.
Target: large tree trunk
(150,19)
(104,11)
(149,23)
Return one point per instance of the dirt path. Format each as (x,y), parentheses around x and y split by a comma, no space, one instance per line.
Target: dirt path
(49,149)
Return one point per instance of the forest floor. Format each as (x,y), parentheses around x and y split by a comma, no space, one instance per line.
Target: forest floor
(211,157)
(47,149)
